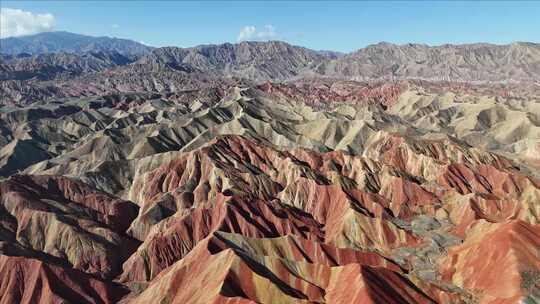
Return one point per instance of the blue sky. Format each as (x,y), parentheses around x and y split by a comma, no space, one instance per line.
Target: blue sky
(332,25)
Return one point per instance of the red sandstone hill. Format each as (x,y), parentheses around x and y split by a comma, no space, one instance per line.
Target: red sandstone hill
(242,220)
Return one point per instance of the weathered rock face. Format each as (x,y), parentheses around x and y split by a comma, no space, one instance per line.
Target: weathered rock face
(318,92)
(491,252)
(29,281)
(68,220)
(61,240)
(179,235)
(244,276)
(356,206)
(283,193)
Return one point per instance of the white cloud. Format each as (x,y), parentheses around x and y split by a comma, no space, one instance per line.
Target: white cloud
(250,32)
(16,22)
(115,26)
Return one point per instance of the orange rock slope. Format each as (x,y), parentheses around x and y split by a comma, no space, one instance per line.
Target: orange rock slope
(348,215)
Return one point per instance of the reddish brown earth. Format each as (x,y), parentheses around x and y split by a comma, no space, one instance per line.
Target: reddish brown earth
(323,235)
(498,261)
(320,92)
(29,281)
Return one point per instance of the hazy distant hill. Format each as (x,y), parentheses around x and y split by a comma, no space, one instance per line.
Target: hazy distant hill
(278,61)
(272,60)
(53,42)
(53,65)
(466,62)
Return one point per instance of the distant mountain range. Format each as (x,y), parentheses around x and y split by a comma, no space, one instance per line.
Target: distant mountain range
(66,64)
(56,65)
(258,61)
(54,42)
(276,60)
(518,61)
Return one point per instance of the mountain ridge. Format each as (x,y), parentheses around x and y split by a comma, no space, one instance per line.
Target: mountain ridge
(280,61)
(62,41)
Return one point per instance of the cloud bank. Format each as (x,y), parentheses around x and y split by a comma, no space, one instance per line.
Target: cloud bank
(16,22)
(251,33)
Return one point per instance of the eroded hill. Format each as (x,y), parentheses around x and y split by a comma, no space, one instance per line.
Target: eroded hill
(316,191)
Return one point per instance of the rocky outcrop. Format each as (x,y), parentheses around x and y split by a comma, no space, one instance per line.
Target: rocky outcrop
(238,274)
(26,280)
(67,220)
(498,262)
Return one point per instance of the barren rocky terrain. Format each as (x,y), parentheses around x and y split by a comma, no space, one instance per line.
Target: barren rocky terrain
(268,173)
